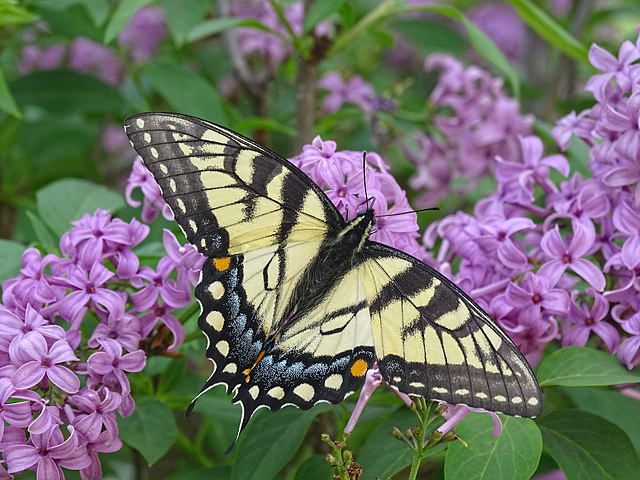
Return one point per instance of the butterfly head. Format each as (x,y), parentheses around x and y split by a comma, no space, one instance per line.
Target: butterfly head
(357,231)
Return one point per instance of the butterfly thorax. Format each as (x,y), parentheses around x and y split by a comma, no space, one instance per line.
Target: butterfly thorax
(339,253)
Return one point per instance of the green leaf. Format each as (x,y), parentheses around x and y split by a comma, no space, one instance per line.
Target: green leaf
(587,446)
(74,18)
(582,366)
(314,468)
(545,26)
(212,473)
(185,91)
(182,16)
(11,14)
(610,405)
(381,455)
(66,92)
(43,234)
(270,440)
(171,375)
(151,429)
(10,259)
(215,26)
(7,103)
(121,17)
(319,11)
(515,454)
(97,10)
(66,200)
(483,45)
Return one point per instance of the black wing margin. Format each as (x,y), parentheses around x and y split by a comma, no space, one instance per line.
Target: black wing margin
(432,339)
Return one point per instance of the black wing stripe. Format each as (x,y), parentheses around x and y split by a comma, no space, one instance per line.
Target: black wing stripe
(451,350)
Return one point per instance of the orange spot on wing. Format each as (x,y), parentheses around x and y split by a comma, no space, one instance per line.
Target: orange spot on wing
(359,368)
(221,264)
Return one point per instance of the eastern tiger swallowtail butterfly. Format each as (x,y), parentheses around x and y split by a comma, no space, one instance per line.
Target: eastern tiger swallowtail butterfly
(297,303)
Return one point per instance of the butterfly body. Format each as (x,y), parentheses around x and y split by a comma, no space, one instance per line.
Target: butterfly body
(297,303)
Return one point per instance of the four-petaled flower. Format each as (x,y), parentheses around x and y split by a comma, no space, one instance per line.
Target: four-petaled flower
(43,363)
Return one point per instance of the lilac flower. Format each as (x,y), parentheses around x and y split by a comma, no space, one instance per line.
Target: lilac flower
(100,414)
(108,366)
(455,413)
(47,452)
(563,256)
(355,90)
(143,34)
(475,123)
(89,287)
(16,414)
(36,57)
(534,295)
(87,56)
(585,320)
(517,179)
(141,178)
(43,364)
(14,330)
(373,379)
(124,330)
(323,163)
(33,266)
(572,124)
(162,313)
(272,47)
(102,443)
(98,236)
(502,24)
(531,333)
(629,349)
(619,68)
(627,221)
(187,259)
(156,283)
(497,240)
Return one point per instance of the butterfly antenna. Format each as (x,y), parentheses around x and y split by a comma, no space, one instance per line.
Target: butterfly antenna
(364,180)
(409,211)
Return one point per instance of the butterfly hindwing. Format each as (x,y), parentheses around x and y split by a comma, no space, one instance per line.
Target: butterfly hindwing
(322,356)
(432,340)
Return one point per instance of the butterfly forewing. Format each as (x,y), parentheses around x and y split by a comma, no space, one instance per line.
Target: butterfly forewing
(227,193)
(293,314)
(432,340)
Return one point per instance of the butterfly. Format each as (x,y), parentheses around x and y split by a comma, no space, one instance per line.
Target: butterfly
(298,303)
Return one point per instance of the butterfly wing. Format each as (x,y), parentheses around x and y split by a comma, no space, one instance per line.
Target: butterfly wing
(432,340)
(229,194)
(261,223)
(320,357)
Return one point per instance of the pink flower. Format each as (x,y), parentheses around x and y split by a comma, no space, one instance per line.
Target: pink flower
(47,452)
(44,362)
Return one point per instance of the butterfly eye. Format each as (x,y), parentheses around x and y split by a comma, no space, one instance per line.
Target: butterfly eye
(361,213)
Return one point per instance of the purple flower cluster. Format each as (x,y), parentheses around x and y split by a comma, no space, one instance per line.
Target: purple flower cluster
(271,47)
(139,39)
(551,259)
(74,379)
(475,122)
(341,175)
(355,90)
